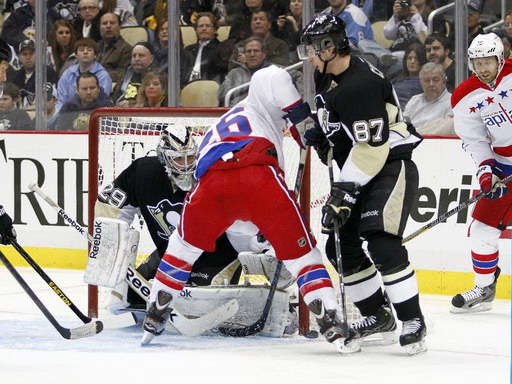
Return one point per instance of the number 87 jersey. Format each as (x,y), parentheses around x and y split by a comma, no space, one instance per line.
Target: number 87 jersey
(258,119)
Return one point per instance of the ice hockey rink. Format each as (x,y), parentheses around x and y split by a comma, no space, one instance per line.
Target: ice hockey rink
(470,348)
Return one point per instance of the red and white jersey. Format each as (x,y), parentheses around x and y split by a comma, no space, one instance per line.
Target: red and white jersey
(259,115)
(483,117)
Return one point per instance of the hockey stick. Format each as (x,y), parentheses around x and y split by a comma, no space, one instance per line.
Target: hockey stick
(48,280)
(85,330)
(258,326)
(185,325)
(450,213)
(337,243)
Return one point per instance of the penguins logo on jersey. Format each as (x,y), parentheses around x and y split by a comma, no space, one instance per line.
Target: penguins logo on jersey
(167,215)
(327,127)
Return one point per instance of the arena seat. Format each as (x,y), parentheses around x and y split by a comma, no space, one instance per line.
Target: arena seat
(200,93)
(133,35)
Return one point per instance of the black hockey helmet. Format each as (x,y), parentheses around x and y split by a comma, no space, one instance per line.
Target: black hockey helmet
(323,32)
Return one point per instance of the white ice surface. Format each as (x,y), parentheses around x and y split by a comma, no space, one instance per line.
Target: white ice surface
(461,348)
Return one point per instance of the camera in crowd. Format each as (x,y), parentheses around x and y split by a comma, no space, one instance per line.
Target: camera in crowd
(405,4)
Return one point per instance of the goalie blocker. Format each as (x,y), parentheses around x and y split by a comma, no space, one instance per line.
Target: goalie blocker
(114,248)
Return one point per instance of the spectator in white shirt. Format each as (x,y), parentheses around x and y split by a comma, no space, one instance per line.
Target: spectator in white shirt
(431,112)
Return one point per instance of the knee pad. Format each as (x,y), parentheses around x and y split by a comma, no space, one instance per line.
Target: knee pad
(484,238)
(386,251)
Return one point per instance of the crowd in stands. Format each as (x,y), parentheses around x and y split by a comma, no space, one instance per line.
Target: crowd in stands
(90,64)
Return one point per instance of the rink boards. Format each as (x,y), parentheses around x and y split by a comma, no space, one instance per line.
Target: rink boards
(58,163)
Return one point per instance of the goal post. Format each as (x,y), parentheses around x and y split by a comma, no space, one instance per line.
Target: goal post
(117,136)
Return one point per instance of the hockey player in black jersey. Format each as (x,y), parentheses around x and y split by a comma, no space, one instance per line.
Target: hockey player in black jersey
(155,187)
(371,198)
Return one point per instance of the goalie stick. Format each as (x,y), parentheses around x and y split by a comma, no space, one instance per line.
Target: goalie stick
(48,280)
(450,213)
(258,326)
(86,330)
(186,326)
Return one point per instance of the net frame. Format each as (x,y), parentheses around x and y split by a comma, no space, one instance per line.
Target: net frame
(128,115)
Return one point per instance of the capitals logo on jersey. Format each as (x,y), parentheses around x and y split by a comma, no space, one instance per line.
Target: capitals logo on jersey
(167,215)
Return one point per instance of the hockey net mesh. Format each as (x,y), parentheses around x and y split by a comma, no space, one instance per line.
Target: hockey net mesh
(127,134)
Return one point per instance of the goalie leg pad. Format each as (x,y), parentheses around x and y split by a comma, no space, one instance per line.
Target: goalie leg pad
(114,248)
(196,301)
(264,264)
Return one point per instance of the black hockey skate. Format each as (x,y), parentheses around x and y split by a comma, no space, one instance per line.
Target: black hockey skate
(156,317)
(327,320)
(478,299)
(413,336)
(381,324)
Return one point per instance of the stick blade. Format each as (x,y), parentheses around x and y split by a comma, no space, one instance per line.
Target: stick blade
(86,330)
(194,327)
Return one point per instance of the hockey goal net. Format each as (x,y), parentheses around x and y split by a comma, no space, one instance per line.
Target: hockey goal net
(118,136)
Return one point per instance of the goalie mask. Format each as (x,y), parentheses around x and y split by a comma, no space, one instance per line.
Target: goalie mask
(324,32)
(177,152)
(486,46)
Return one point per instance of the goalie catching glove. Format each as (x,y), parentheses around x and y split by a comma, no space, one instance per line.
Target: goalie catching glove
(488,175)
(339,205)
(113,249)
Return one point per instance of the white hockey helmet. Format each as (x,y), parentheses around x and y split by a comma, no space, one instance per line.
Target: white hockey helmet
(177,151)
(486,45)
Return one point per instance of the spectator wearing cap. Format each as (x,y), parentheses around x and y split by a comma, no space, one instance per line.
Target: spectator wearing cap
(114,51)
(474,27)
(74,114)
(12,118)
(25,78)
(51,111)
(126,89)
(86,51)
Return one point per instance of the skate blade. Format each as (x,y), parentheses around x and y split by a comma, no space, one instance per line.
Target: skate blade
(146,338)
(415,348)
(380,339)
(345,349)
(481,307)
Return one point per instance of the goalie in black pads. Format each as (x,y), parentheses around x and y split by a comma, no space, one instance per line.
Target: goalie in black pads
(371,197)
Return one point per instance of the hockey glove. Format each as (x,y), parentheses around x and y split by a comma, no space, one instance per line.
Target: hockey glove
(314,136)
(339,205)
(488,175)
(6,227)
